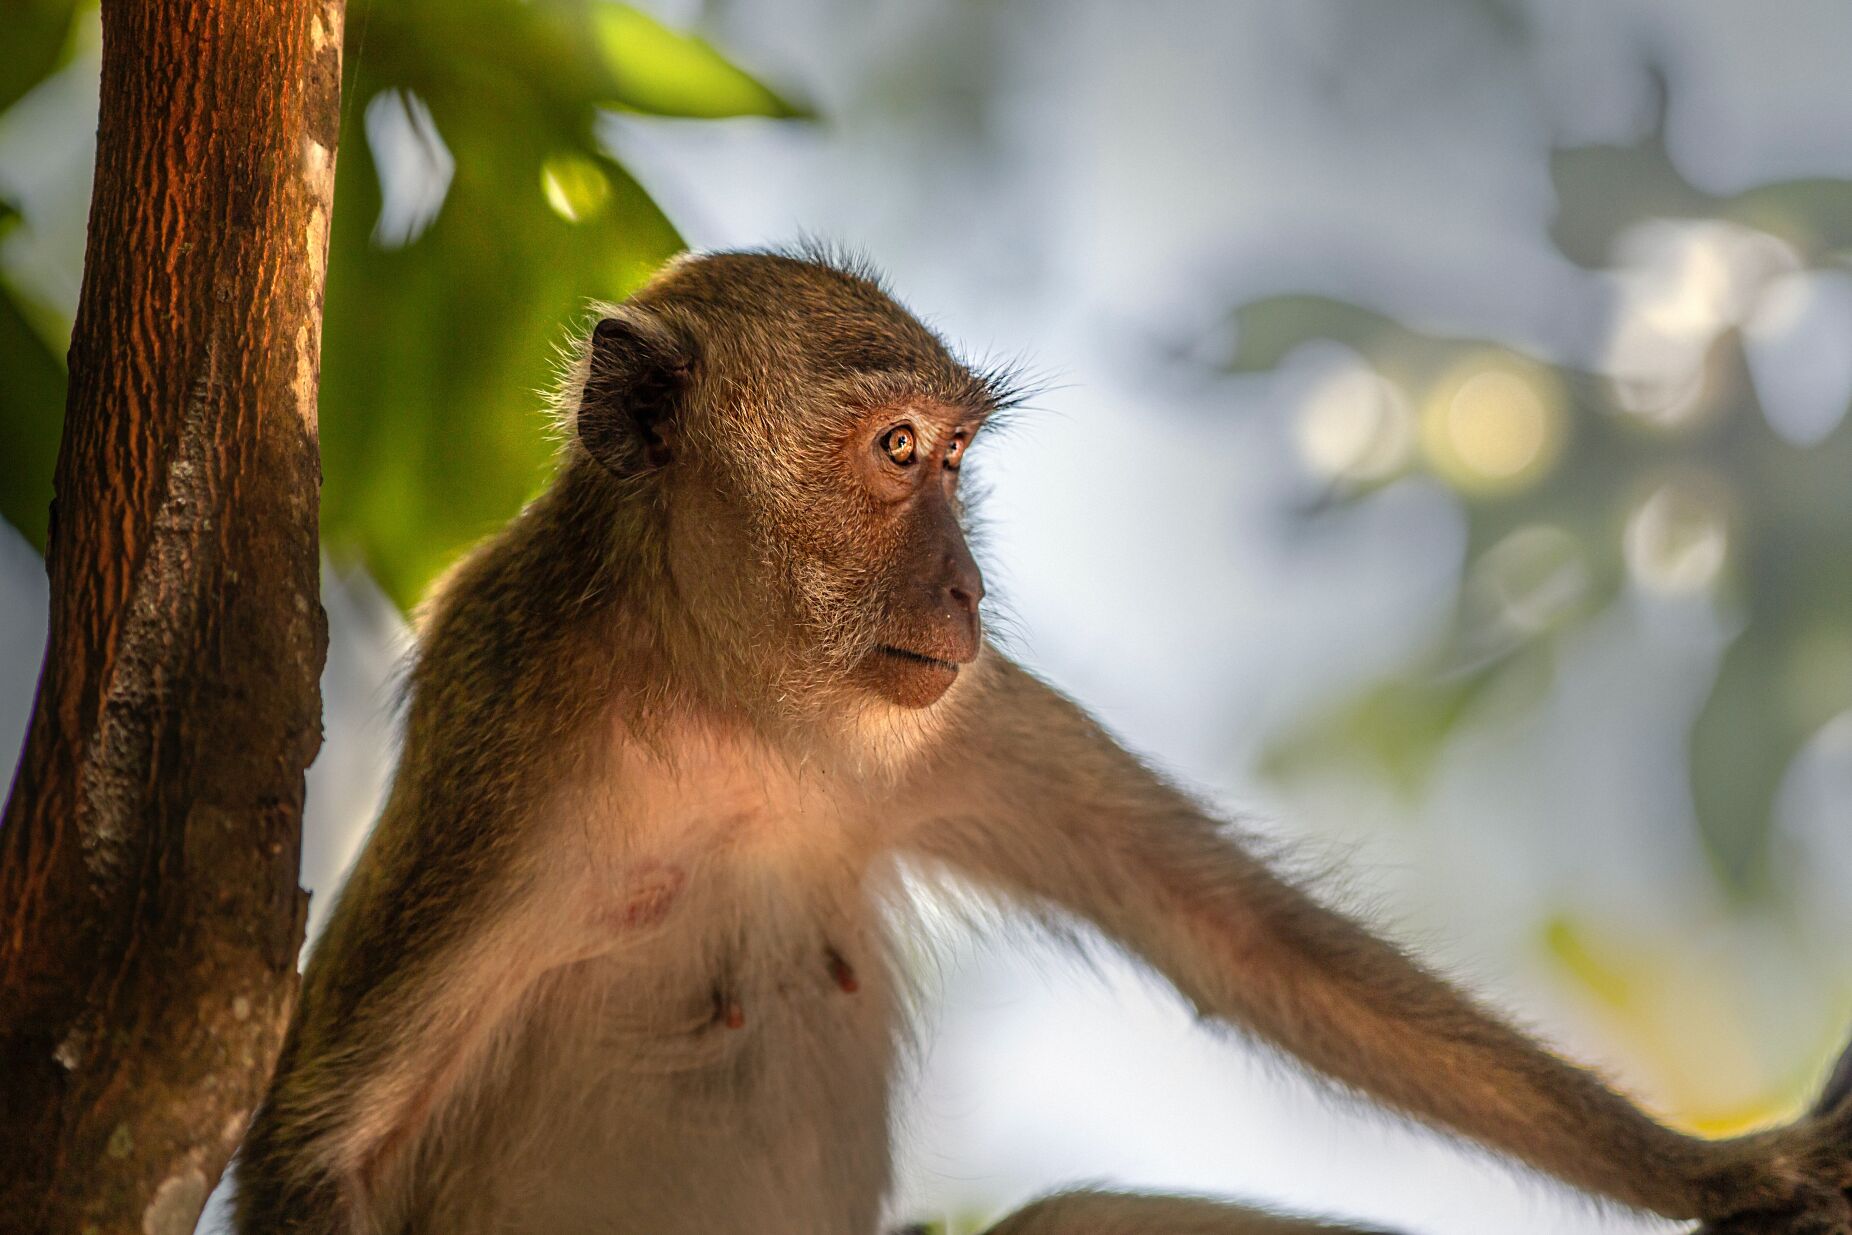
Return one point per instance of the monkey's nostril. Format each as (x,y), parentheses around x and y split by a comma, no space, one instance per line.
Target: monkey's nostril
(964,599)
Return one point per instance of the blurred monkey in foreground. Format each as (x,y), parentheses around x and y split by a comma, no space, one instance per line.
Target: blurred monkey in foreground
(619,955)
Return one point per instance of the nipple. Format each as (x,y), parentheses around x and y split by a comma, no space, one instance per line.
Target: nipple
(841,973)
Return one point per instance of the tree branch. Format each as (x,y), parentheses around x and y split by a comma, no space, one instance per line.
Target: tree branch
(149,913)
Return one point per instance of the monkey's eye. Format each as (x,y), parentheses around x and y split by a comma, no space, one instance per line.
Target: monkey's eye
(955,452)
(901,444)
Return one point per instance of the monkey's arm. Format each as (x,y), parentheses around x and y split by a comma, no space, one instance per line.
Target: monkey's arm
(1039,801)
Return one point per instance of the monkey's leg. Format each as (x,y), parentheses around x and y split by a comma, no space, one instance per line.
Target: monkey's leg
(1087,1212)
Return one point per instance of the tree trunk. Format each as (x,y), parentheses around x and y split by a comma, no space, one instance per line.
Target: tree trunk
(149,913)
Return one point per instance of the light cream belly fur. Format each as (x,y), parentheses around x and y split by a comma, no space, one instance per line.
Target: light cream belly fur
(725,1070)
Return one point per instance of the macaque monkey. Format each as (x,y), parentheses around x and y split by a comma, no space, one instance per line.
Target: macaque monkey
(619,956)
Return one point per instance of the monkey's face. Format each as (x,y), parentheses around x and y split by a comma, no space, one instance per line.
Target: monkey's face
(806,436)
(830,547)
(904,462)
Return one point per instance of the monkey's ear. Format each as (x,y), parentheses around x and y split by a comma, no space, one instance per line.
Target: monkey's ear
(636,382)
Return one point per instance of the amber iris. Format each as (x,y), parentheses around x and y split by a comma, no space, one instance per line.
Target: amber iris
(901,444)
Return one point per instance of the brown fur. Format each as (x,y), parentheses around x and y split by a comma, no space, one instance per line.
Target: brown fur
(617,957)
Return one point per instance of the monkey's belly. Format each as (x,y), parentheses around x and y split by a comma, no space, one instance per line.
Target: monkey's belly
(636,1100)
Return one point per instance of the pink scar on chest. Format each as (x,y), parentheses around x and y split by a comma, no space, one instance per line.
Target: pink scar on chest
(648,891)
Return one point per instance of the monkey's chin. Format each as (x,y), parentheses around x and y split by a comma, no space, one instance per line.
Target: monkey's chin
(907,679)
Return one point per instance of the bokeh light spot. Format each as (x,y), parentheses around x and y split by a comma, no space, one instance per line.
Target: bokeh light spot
(1532,579)
(1680,284)
(1354,424)
(575,187)
(1493,428)
(1677,540)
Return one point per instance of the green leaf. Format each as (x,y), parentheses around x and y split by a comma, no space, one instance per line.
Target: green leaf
(38,36)
(1602,191)
(1741,745)
(1782,508)
(436,351)
(1402,725)
(438,338)
(31,415)
(668,73)
(38,43)
(1267,330)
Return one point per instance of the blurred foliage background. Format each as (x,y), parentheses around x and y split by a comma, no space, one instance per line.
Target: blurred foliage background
(1448,448)
(1665,471)
(476,207)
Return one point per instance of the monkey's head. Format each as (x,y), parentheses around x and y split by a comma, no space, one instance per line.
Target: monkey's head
(796,438)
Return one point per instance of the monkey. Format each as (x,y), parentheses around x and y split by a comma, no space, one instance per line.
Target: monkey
(622,954)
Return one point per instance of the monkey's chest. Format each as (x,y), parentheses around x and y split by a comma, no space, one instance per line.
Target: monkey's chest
(727,1064)
(736,972)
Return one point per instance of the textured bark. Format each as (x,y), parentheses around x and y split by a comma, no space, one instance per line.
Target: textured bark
(149,913)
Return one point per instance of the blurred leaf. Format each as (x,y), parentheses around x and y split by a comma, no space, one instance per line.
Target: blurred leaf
(1642,989)
(1785,508)
(1402,725)
(31,419)
(1267,330)
(1787,674)
(435,352)
(1581,955)
(1604,190)
(668,73)
(1741,746)
(576,188)
(31,412)
(38,42)
(38,35)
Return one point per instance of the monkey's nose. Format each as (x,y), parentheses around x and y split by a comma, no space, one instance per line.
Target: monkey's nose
(964,585)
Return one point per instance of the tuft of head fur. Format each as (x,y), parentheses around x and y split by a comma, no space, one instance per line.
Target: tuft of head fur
(810,282)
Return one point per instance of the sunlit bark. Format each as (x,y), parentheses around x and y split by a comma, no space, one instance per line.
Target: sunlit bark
(149,913)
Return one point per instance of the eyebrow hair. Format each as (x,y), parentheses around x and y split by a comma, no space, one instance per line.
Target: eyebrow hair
(890,384)
(1007,383)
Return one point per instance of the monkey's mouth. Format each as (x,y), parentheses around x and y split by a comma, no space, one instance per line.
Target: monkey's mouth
(909,678)
(919,658)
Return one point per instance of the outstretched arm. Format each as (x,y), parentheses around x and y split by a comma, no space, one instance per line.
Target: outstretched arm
(1043,804)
